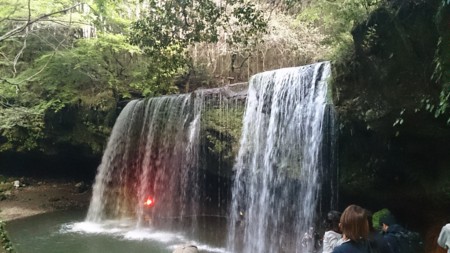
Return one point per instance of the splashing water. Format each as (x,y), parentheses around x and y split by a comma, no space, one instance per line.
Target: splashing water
(149,170)
(277,184)
(150,165)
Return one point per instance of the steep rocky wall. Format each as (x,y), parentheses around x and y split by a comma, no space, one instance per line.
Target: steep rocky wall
(393,152)
(71,147)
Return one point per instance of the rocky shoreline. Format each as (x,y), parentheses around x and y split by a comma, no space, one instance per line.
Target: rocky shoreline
(34,197)
(21,198)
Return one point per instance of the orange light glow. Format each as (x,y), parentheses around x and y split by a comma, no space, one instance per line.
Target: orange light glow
(149,202)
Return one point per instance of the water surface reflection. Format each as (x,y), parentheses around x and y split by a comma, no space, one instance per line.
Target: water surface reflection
(67,231)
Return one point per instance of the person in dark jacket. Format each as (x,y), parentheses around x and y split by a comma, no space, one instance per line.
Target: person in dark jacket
(376,238)
(391,233)
(399,239)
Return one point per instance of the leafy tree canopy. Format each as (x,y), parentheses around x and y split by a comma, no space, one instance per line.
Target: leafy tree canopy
(336,19)
(92,54)
(53,58)
(168,28)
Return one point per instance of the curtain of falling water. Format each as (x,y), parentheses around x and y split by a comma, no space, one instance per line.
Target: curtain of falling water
(152,152)
(277,182)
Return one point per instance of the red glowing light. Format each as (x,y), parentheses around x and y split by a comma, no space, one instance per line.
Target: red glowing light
(149,201)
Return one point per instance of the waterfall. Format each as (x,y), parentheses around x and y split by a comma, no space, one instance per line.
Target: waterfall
(277,181)
(151,155)
(286,148)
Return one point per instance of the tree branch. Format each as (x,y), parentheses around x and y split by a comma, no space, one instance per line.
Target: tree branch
(29,22)
(50,20)
(29,10)
(16,59)
(48,61)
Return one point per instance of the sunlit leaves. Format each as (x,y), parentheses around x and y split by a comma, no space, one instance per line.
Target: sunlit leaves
(337,18)
(169,27)
(22,127)
(83,54)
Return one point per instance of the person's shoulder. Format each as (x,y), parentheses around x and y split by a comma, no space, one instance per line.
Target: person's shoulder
(340,249)
(331,233)
(445,229)
(396,228)
(344,247)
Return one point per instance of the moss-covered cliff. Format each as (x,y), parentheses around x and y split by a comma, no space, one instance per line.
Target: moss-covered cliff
(70,145)
(393,145)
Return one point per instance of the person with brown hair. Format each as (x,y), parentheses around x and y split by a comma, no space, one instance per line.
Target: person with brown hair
(355,229)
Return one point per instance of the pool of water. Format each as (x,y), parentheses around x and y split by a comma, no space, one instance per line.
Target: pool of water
(62,232)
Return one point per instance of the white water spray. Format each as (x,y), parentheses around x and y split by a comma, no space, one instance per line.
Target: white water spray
(276,186)
(152,152)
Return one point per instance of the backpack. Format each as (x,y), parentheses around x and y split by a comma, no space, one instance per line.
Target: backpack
(409,242)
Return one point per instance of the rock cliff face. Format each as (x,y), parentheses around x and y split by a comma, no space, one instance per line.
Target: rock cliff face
(393,152)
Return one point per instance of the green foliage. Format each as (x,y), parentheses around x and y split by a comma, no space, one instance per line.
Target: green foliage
(5,186)
(4,239)
(22,127)
(92,65)
(378,215)
(441,72)
(5,189)
(22,18)
(223,130)
(399,121)
(439,105)
(172,25)
(169,27)
(51,70)
(95,73)
(336,19)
